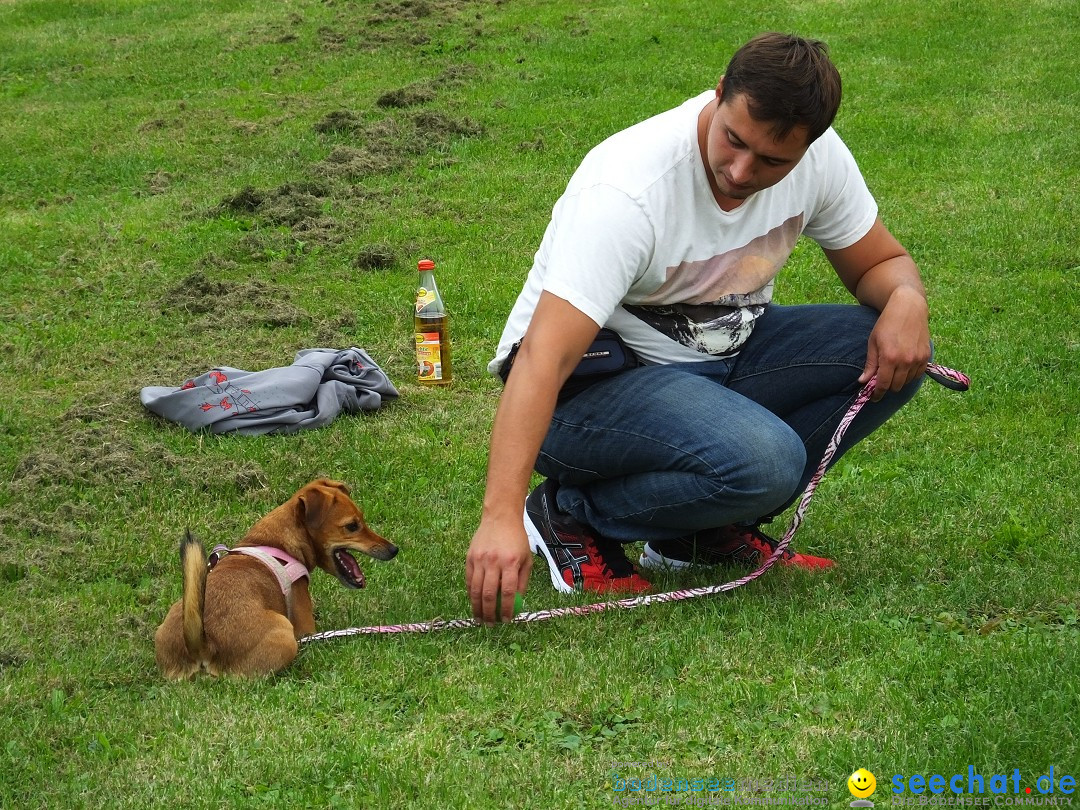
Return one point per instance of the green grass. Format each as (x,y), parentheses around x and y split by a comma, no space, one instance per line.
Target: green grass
(947,635)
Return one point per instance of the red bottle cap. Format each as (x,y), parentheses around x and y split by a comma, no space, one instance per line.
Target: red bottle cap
(425,264)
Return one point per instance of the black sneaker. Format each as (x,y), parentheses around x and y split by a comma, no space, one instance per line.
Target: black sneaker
(577,558)
(745,546)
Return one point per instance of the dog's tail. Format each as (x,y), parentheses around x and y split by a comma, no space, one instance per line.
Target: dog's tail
(193,563)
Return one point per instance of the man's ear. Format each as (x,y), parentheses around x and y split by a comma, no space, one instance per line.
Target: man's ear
(720,88)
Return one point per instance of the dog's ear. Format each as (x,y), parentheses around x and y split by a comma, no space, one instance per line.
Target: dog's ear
(328,482)
(315,501)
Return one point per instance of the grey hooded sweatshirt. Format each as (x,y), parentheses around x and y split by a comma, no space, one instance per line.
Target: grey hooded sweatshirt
(320,384)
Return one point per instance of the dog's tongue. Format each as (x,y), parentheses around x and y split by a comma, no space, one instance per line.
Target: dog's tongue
(348,566)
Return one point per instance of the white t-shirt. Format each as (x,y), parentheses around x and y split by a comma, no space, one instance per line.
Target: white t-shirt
(638,243)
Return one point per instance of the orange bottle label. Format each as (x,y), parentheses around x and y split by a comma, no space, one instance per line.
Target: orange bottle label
(429,356)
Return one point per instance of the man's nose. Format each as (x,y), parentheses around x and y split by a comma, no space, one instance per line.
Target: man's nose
(742,169)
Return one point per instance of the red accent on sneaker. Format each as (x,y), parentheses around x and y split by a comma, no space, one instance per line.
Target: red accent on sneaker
(747,546)
(609,571)
(808,561)
(578,560)
(765,545)
(744,538)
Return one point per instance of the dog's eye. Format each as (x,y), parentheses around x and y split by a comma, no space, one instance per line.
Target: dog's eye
(352,526)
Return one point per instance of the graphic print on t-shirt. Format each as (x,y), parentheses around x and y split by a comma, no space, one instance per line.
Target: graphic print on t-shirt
(710,305)
(707,328)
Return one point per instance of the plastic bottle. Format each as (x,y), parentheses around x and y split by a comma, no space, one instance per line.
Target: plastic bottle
(432,327)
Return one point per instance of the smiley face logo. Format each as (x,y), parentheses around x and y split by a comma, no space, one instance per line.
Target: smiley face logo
(861,783)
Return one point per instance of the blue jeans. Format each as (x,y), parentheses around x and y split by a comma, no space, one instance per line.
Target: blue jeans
(659,452)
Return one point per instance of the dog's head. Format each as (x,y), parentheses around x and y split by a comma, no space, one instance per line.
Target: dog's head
(337,529)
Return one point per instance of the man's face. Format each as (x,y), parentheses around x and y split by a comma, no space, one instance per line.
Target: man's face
(742,153)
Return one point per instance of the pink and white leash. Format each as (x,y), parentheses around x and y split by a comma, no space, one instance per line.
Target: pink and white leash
(950,378)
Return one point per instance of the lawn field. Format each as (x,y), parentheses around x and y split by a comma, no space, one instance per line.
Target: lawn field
(192,185)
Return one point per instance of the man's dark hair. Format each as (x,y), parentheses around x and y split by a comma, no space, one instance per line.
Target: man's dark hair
(788,81)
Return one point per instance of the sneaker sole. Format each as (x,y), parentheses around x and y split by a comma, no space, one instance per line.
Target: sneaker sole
(538,546)
(655,560)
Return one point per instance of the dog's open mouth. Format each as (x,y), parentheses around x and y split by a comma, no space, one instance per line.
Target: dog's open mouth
(348,571)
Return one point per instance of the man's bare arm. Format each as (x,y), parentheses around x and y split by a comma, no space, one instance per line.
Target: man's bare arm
(499,559)
(881,274)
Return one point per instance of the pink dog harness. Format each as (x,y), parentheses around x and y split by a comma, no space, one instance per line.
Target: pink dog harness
(286,568)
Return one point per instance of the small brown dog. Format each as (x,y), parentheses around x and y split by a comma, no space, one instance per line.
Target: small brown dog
(244,614)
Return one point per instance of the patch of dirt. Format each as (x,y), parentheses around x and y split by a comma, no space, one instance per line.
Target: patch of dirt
(290,208)
(418,93)
(386,134)
(93,451)
(413,10)
(277,33)
(374,257)
(408,96)
(211,261)
(331,40)
(387,145)
(454,75)
(437,127)
(319,230)
(91,447)
(232,304)
(250,478)
(246,127)
(195,294)
(159,182)
(247,200)
(407,22)
(350,163)
(339,121)
(11,660)
(299,207)
(285,223)
(402,10)
(339,331)
(86,455)
(576,25)
(285,205)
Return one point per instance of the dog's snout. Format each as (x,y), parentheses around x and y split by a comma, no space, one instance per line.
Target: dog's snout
(385,551)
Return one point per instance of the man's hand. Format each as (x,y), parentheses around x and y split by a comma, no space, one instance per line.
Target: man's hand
(499,561)
(899,346)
